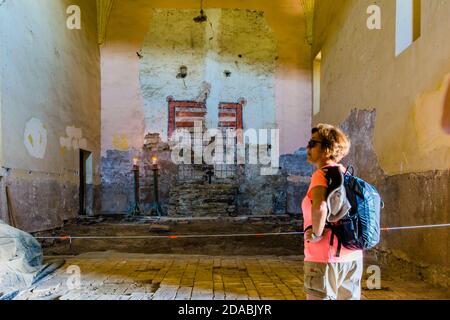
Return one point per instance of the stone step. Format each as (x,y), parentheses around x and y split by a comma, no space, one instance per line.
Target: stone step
(191,213)
(196,190)
(186,193)
(224,208)
(200,204)
(202,193)
(209,208)
(196,196)
(204,187)
(202,199)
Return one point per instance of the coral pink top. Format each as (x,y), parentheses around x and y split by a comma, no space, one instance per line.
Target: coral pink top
(322,251)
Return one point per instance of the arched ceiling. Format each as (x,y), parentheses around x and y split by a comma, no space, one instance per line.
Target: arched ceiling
(302,8)
(104,8)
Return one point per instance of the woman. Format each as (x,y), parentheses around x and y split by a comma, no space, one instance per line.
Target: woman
(327,277)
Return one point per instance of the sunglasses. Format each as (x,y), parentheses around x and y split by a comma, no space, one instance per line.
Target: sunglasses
(313,143)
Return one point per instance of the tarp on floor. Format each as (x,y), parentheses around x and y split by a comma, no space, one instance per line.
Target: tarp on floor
(21,258)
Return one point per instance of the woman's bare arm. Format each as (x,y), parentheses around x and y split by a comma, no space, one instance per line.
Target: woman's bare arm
(319,209)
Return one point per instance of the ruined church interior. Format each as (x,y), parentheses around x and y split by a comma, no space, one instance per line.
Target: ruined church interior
(157,149)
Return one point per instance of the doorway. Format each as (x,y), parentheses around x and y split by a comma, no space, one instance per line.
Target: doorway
(86,195)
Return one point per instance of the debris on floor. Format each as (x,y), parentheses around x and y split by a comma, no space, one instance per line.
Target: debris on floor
(159,228)
(21,261)
(88,220)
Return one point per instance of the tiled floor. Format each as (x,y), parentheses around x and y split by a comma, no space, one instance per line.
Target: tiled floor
(118,276)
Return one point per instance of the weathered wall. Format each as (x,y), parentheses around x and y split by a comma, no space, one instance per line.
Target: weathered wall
(50,81)
(1,99)
(2,198)
(298,173)
(234,40)
(408,118)
(121,91)
(272,74)
(392,109)
(117,191)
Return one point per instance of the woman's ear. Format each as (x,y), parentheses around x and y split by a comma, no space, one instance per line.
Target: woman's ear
(323,153)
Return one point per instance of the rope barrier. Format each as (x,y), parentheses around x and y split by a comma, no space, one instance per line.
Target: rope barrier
(173,237)
(418,227)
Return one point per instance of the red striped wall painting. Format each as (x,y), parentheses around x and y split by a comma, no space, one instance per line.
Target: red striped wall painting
(183,114)
(230,114)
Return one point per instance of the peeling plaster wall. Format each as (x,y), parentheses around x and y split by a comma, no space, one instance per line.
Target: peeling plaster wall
(1,118)
(117,192)
(239,41)
(122,97)
(298,173)
(273,75)
(50,82)
(410,199)
(1,103)
(392,107)
(2,172)
(407,91)
(2,198)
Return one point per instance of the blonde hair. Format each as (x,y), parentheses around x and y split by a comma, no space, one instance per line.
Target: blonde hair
(335,143)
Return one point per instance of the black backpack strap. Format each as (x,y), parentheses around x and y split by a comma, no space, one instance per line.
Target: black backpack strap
(308,228)
(333,234)
(338,252)
(350,168)
(334,177)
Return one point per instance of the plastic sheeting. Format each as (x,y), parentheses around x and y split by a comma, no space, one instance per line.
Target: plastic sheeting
(21,258)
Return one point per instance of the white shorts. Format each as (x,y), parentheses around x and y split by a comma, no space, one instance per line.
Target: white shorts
(334,281)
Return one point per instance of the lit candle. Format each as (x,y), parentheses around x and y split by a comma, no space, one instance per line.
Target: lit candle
(135,161)
(154,160)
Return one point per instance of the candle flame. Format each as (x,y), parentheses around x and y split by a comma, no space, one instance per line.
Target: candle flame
(135,161)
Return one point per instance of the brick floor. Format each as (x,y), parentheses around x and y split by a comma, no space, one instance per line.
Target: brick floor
(117,276)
